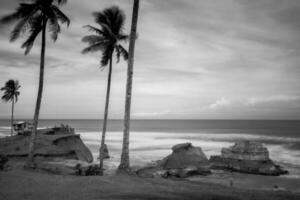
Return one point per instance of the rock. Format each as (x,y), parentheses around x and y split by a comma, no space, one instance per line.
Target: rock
(246,150)
(51,143)
(105,152)
(70,167)
(90,170)
(184,155)
(185,160)
(3,161)
(246,157)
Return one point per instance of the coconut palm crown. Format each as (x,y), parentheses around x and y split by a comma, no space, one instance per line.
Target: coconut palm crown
(108,37)
(11,91)
(32,15)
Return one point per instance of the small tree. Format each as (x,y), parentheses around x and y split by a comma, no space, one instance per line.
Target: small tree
(11,93)
(107,40)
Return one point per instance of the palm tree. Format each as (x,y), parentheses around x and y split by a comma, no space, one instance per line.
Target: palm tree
(107,39)
(34,17)
(11,93)
(125,164)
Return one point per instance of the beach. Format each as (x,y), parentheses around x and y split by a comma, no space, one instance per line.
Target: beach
(152,141)
(27,185)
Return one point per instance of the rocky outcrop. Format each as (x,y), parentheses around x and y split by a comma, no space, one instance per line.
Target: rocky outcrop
(183,156)
(246,150)
(70,167)
(185,160)
(51,144)
(247,157)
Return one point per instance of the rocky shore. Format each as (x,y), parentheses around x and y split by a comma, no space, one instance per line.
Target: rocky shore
(186,160)
(58,150)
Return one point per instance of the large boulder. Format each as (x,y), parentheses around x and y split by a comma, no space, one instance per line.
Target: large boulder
(185,160)
(51,144)
(246,157)
(183,156)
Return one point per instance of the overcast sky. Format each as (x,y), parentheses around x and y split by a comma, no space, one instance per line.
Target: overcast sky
(195,59)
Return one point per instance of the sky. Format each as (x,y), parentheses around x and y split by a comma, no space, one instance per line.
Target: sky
(194,59)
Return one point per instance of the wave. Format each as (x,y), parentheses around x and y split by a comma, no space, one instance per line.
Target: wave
(5,127)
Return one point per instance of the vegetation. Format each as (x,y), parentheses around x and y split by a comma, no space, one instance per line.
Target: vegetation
(125,164)
(34,17)
(11,93)
(107,39)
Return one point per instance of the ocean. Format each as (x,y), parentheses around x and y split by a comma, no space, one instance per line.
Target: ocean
(151,140)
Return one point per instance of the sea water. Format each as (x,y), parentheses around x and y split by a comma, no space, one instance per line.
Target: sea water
(151,140)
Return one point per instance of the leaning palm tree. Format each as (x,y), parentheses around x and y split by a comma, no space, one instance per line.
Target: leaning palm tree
(34,17)
(125,164)
(11,93)
(107,39)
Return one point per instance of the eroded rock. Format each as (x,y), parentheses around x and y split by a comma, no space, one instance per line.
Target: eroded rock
(246,157)
(185,160)
(51,143)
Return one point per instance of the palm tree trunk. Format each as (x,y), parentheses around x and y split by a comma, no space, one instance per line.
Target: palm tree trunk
(12,116)
(125,164)
(101,156)
(30,160)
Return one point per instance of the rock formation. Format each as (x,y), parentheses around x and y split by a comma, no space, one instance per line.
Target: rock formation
(51,143)
(185,160)
(184,155)
(247,157)
(70,167)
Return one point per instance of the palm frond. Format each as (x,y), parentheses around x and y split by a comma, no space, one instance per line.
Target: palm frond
(121,51)
(60,2)
(99,46)
(93,39)
(123,37)
(106,56)
(100,18)
(60,15)
(94,29)
(36,28)
(22,11)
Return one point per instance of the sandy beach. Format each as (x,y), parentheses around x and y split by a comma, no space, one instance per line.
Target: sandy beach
(18,184)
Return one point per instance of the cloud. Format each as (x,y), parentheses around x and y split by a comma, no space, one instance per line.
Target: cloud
(271,99)
(188,55)
(223,102)
(151,114)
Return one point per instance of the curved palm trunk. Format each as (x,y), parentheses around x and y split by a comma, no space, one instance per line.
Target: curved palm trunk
(30,160)
(12,117)
(101,156)
(125,164)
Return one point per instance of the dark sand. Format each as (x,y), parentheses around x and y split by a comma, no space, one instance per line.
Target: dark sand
(18,184)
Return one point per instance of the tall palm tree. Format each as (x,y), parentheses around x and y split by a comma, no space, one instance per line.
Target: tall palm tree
(107,39)
(34,17)
(125,164)
(11,93)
